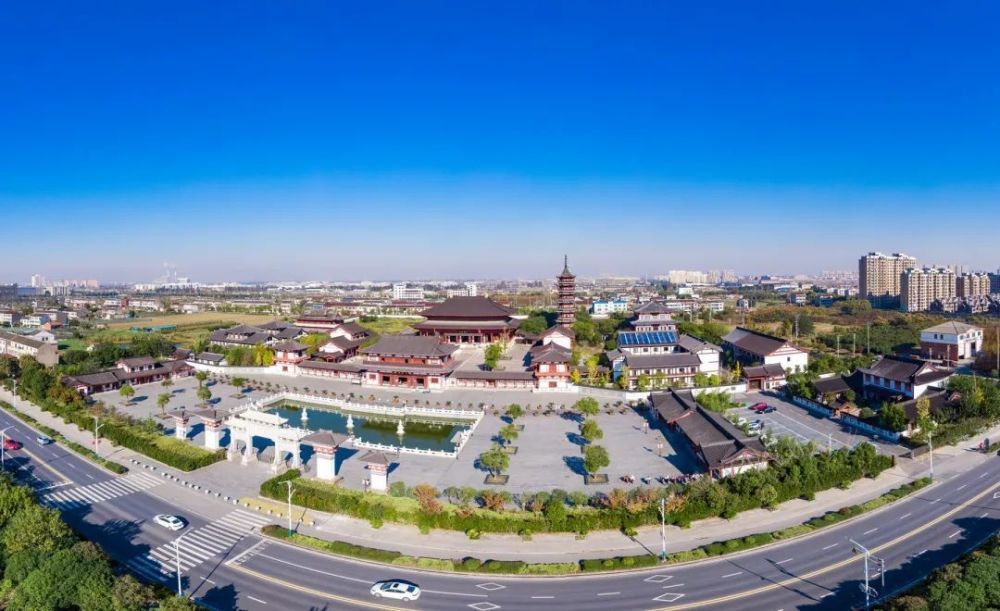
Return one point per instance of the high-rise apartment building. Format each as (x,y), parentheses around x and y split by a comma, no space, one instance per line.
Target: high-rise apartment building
(972,284)
(879,277)
(920,286)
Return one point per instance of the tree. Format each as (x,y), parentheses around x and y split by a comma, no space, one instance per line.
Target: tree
(162,400)
(590,431)
(495,460)
(35,528)
(177,603)
(127,392)
(623,379)
(201,376)
(492,354)
(588,406)
(240,384)
(204,393)
(642,382)
(893,417)
(426,496)
(262,356)
(513,412)
(768,496)
(129,594)
(508,433)
(167,383)
(575,376)
(595,458)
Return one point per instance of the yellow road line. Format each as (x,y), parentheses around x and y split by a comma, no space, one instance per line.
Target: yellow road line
(325,595)
(42,463)
(832,567)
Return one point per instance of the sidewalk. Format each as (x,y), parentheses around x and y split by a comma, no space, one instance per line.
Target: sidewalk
(566,547)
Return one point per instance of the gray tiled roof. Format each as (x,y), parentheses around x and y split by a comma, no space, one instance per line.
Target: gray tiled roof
(410,345)
(468,307)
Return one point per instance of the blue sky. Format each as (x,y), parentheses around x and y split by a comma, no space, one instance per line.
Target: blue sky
(323,140)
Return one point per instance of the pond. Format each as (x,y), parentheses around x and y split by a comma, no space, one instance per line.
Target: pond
(419,433)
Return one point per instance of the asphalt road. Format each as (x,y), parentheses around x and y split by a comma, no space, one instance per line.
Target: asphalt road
(227,565)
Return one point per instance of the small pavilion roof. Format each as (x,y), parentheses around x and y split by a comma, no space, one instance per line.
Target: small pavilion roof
(375,457)
(325,438)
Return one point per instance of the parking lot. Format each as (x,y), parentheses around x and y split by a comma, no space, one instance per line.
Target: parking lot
(799,423)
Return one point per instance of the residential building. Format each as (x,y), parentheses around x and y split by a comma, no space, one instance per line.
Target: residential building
(897,376)
(707,353)
(921,286)
(318,322)
(247,335)
(764,377)
(15,346)
(606,307)
(722,448)
(879,277)
(34,320)
(402,292)
(755,348)
(566,283)
(10,317)
(468,320)
(470,289)
(951,341)
(972,285)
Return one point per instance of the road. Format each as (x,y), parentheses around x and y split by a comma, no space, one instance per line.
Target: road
(227,565)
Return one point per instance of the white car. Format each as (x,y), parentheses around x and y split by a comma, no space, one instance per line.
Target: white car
(400,590)
(43,440)
(169,522)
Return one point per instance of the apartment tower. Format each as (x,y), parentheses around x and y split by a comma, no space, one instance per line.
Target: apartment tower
(919,287)
(972,285)
(879,277)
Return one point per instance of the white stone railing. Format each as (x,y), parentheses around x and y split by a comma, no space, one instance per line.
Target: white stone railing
(369,408)
(402,450)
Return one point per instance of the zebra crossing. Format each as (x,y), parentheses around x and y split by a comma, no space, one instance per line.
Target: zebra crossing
(90,494)
(196,546)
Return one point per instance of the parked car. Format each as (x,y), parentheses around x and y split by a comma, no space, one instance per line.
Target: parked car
(43,440)
(169,522)
(10,444)
(400,590)
(758,406)
(768,410)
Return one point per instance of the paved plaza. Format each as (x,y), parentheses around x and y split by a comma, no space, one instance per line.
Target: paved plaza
(549,452)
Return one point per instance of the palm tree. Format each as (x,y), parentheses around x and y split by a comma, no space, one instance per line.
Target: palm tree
(162,401)
(201,376)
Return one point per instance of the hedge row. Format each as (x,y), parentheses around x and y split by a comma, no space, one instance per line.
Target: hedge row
(799,474)
(464,565)
(730,546)
(154,444)
(86,452)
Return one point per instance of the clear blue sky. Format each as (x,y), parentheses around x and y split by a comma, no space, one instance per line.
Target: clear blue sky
(326,140)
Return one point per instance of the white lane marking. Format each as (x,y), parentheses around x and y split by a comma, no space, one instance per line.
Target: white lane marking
(785,560)
(208,580)
(658,578)
(59,485)
(608,593)
(982,475)
(962,486)
(543,597)
(732,574)
(937,499)
(954,534)
(827,594)
(870,531)
(669,597)
(920,553)
(256,600)
(904,516)
(985,514)
(676,585)
(832,545)
(89,475)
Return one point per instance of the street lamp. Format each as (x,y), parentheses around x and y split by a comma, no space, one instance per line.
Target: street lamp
(930,442)
(97,440)
(289,484)
(879,562)
(3,446)
(663,530)
(177,556)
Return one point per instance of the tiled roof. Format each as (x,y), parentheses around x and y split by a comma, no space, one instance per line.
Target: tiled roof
(468,307)
(771,370)
(410,345)
(952,326)
(754,342)
(695,344)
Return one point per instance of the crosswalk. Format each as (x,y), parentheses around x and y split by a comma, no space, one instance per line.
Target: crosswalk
(91,494)
(196,546)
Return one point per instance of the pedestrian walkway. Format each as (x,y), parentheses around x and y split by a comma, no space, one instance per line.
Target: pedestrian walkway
(91,494)
(196,546)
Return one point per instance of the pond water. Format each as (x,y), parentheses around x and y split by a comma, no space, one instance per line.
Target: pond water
(419,433)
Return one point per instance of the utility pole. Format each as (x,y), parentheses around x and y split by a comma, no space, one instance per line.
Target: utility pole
(930,442)
(177,556)
(838,344)
(868,335)
(867,589)
(663,530)
(289,484)
(796,326)
(97,440)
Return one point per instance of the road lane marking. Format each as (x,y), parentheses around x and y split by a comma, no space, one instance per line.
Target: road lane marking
(314,592)
(905,515)
(831,567)
(543,597)
(257,600)
(954,534)
(982,475)
(785,560)
(676,585)
(732,574)
(831,546)
(920,553)
(608,593)
(962,486)
(985,514)
(937,499)
(208,580)
(870,531)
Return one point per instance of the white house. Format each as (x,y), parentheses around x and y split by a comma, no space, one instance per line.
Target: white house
(951,341)
(752,347)
(708,354)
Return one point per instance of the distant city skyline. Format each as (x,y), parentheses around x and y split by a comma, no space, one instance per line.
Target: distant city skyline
(483,141)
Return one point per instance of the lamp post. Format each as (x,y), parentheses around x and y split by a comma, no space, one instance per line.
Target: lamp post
(97,440)
(663,530)
(289,484)
(867,589)
(930,443)
(3,446)
(177,556)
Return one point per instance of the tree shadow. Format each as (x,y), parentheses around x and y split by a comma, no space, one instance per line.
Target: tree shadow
(575,464)
(572,416)
(220,598)
(576,439)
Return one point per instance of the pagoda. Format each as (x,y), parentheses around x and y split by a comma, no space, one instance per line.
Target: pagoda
(567,295)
